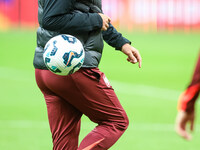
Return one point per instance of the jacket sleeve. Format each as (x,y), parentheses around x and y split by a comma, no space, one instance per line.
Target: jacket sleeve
(114,38)
(59,16)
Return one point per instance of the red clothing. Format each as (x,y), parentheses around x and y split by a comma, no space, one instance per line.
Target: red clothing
(88,92)
(189,96)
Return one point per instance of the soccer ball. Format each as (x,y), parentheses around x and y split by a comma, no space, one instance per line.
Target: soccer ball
(63,54)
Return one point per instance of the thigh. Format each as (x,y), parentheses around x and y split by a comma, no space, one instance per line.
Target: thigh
(89,91)
(64,118)
(64,122)
(99,101)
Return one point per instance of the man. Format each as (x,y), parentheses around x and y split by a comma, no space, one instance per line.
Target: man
(186,104)
(87,91)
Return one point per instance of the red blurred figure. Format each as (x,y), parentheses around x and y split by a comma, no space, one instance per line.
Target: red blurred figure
(186,104)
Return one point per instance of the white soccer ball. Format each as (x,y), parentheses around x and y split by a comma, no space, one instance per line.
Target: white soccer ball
(63,54)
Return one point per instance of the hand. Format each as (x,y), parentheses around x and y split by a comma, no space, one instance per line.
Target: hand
(181,121)
(106,20)
(132,53)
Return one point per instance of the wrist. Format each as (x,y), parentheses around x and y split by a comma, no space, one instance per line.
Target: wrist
(125,46)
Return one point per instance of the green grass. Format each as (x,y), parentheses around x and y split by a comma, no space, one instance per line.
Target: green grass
(149,95)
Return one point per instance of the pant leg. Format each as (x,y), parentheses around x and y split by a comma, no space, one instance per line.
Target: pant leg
(64,119)
(89,92)
(103,108)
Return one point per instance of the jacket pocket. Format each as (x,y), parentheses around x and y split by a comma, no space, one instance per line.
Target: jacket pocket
(92,73)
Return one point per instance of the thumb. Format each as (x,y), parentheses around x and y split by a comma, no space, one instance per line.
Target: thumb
(132,58)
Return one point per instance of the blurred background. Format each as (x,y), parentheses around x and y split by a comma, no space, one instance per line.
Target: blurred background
(154,15)
(167,34)
(140,15)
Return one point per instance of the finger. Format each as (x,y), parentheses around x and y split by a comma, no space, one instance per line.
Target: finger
(192,125)
(133,61)
(139,58)
(183,133)
(109,19)
(181,129)
(132,58)
(104,28)
(140,63)
(129,60)
(181,122)
(106,25)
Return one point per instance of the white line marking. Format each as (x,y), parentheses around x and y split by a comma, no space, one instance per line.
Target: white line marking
(146,90)
(25,124)
(15,74)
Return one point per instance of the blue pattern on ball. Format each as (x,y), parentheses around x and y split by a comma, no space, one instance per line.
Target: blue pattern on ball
(54,50)
(69,39)
(68,57)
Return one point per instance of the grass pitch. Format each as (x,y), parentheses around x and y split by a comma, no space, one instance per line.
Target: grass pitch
(149,95)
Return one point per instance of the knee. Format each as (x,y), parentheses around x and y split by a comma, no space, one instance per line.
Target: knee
(123,123)
(126,122)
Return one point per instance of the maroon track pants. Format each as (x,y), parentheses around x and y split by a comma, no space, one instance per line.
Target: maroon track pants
(87,92)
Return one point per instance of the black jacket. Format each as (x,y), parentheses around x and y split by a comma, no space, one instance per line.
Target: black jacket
(78,19)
